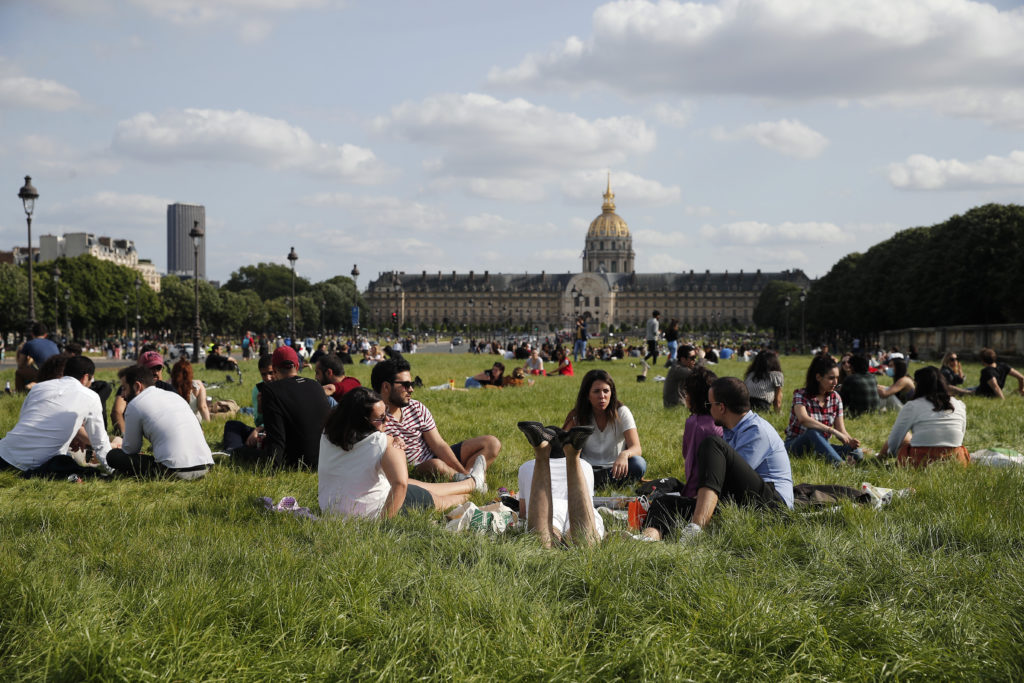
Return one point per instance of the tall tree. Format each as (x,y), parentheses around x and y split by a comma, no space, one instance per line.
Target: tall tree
(268,280)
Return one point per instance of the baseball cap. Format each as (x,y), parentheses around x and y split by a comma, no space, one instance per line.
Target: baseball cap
(151,359)
(283,356)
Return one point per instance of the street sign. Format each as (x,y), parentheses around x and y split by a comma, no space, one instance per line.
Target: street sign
(355,316)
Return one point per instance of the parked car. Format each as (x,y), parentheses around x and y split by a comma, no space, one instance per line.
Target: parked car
(175,351)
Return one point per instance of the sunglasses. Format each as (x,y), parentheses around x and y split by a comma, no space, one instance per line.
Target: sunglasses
(708,404)
(407,384)
(377,420)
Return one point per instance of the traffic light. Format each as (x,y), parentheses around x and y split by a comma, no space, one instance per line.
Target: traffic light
(394,316)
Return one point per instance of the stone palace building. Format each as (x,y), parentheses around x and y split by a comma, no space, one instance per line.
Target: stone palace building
(608,291)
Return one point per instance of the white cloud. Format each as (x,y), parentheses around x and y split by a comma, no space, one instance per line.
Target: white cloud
(250,17)
(484,136)
(58,159)
(655,239)
(698,210)
(755,232)
(241,137)
(507,189)
(922,172)
(383,211)
(787,136)
(674,115)
(791,49)
(18,91)
(666,263)
(587,186)
(117,208)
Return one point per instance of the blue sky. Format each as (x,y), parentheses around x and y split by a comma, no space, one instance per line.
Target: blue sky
(739,134)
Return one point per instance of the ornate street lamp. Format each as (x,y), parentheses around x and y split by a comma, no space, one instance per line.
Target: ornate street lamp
(29,195)
(56,293)
(355,276)
(196,233)
(803,298)
(67,313)
(292,258)
(138,283)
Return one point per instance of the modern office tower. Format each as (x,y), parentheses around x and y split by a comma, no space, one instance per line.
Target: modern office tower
(180,255)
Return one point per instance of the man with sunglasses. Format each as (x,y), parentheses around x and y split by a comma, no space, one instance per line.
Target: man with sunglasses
(411,422)
(686,361)
(748,464)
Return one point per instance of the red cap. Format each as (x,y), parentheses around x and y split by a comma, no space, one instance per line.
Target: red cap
(151,359)
(284,355)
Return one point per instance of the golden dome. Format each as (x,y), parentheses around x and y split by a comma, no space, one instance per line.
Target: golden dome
(609,223)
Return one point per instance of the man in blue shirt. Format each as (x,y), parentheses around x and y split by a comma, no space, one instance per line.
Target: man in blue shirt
(748,465)
(35,350)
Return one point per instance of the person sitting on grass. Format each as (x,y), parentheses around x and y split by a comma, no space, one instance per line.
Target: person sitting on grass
(859,391)
(931,427)
(154,362)
(534,365)
(764,381)
(817,415)
(487,378)
(993,376)
(179,447)
(675,381)
(216,361)
(330,373)
(666,512)
(53,420)
(363,471)
(556,488)
(902,388)
(614,448)
(953,373)
(192,390)
(411,422)
(747,464)
(31,356)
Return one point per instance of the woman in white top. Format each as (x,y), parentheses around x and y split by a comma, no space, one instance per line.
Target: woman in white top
(192,390)
(764,381)
(930,427)
(363,471)
(613,450)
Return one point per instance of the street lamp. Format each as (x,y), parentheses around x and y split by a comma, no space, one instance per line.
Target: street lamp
(803,298)
(67,313)
(787,323)
(124,337)
(323,310)
(29,195)
(292,258)
(56,289)
(138,283)
(196,233)
(355,276)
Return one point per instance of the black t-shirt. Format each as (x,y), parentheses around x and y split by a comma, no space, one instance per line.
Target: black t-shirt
(294,410)
(1000,371)
(346,357)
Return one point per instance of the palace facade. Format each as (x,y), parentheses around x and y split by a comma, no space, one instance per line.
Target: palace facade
(608,291)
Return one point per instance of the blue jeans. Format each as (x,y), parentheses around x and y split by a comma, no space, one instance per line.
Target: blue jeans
(473,383)
(815,442)
(673,348)
(635,468)
(579,349)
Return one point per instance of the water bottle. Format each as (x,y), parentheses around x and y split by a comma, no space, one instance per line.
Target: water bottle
(7,387)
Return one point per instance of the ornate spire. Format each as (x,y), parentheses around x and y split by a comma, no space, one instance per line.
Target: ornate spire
(609,197)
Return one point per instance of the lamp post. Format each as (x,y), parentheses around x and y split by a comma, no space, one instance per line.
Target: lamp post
(138,284)
(355,276)
(124,337)
(29,195)
(323,310)
(803,298)
(67,313)
(292,258)
(196,233)
(787,302)
(56,293)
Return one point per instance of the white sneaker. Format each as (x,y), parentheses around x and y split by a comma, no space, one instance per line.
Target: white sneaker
(479,471)
(689,533)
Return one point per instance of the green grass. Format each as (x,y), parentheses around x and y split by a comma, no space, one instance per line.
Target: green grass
(126,580)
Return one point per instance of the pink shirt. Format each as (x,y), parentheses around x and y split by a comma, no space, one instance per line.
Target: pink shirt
(698,428)
(415,420)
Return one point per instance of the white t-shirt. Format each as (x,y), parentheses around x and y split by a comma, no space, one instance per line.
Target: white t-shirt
(352,483)
(929,427)
(50,418)
(166,419)
(602,447)
(559,493)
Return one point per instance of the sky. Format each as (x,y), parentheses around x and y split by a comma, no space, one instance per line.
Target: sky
(467,135)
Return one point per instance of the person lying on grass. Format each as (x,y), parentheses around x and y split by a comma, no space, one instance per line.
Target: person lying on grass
(363,471)
(556,488)
(179,447)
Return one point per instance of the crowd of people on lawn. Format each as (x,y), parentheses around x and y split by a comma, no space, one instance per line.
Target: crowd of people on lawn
(378,451)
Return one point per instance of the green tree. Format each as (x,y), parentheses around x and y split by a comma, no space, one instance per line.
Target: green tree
(268,280)
(772,311)
(13,298)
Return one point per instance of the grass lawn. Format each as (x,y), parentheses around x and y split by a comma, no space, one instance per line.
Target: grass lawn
(169,580)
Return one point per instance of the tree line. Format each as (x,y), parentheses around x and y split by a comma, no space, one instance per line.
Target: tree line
(98,298)
(963,271)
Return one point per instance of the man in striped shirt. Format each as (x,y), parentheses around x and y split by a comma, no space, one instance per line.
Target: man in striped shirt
(411,422)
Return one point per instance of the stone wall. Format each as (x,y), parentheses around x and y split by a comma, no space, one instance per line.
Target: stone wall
(966,340)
